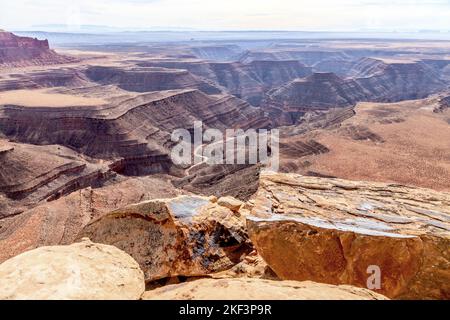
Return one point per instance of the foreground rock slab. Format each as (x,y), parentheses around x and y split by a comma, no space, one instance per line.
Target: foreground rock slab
(258,289)
(81,271)
(183,236)
(391,238)
(230,203)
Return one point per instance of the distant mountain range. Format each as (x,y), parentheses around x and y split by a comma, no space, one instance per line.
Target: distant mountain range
(88,28)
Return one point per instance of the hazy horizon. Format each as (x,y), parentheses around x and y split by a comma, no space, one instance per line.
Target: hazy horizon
(250,15)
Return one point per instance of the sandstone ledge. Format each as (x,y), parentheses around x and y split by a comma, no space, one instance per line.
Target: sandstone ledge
(257,289)
(184,236)
(332,231)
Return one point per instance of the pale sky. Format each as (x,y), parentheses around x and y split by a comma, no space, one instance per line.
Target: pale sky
(330,15)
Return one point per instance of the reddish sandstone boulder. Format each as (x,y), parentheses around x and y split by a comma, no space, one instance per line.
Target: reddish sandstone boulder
(24,51)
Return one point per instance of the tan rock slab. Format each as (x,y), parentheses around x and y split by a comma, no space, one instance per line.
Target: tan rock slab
(183,236)
(230,203)
(258,289)
(343,232)
(81,271)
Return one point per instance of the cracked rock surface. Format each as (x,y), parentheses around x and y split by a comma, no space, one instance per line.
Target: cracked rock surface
(184,236)
(81,271)
(335,231)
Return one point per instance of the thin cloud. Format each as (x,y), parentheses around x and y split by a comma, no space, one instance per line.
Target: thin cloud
(231,14)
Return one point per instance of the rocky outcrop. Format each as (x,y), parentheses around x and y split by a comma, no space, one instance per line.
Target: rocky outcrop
(308,57)
(257,289)
(236,80)
(252,266)
(339,67)
(185,236)
(342,232)
(297,148)
(320,91)
(23,51)
(230,203)
(444,104)
(238,181)
(360,133)
(81,271)
(5,148)
(216,52)
(401,81)
(293,150)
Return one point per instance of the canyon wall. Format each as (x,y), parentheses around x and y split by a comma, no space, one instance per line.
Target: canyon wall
(23,51)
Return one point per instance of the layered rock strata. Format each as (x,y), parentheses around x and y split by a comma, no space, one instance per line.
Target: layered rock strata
(247,81)
(377,82)
(134,133)
(81,271)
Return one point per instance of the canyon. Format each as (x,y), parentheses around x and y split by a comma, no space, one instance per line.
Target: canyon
(86,168)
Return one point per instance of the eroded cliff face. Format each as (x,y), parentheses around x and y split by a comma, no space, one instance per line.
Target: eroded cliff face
(365,67)
(320,90)
(185,236)
(59,150)
(146,79)
(330,231)
(401,81)
(256,289)
(134,132)
(239,181)
(52,77)
(92,271)
(32,174)
(336,231)
(247,81)
(308,57)
(81,271)
(23,51)
(98,168)
(28,224)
